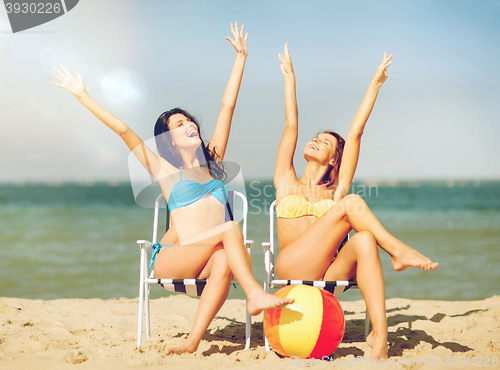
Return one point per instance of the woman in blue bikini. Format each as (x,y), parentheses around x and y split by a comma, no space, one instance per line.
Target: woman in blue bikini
(315,213)
(200,243)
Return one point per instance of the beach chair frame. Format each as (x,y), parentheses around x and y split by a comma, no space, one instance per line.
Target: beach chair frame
(192,287)
(334,287)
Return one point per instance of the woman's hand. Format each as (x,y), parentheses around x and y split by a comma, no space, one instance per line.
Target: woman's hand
(223,125)
(239,43)
(286,62)
(381,74)
(69,82)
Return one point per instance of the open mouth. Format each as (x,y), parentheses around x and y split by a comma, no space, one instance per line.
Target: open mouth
(192,133)
(314,147)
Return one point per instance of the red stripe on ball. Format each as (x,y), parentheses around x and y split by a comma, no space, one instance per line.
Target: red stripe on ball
(332,328)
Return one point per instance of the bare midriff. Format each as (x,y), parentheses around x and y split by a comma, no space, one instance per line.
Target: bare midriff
(197,218)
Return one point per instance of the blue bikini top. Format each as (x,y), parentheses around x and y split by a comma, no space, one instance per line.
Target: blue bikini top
(186,192)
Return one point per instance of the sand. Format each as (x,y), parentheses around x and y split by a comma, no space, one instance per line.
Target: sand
(101,334)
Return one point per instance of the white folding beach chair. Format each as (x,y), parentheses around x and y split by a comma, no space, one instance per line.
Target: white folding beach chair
(334,287)
(193,287)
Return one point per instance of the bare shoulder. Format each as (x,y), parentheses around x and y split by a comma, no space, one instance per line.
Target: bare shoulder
(286,187)
(165,172)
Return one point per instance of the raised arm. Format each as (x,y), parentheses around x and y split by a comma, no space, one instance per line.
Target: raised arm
(353,139)
(284,170)
(75,85)
(223,126)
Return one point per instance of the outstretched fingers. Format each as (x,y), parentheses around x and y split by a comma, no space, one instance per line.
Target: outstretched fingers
(58,74)
(65,70)
(286,55)
(63,76)
(239,42)
(387,61)
(231,41)
(287,52)
(67,81)
(286,61)
(236,32)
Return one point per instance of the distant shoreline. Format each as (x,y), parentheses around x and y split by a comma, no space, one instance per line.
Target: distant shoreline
(443,182)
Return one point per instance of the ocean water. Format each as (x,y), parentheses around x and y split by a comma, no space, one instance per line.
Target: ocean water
(79,240)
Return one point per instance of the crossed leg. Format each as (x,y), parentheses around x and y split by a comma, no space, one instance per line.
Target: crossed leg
(359,260)
(216,258)
(353,213)
(309,258)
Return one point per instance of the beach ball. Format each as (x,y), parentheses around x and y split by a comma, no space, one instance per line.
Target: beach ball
(311,327)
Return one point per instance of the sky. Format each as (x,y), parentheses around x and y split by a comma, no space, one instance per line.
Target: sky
(436,117)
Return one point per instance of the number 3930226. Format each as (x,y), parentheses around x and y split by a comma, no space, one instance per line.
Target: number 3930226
(33,8)
(471,361)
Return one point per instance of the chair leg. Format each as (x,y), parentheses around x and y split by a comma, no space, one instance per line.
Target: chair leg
(147,288)
(142,277)
(367,324)
(266,342)
(248,331)
(146,302)
(139,324)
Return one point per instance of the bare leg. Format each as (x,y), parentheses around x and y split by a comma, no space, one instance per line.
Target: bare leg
(308,258)
(311,252)
(359,260)
(188,261)
(213,297)
(355,211)
(241,265)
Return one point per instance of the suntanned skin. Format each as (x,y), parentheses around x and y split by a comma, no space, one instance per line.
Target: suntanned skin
(308,244)
(204,245)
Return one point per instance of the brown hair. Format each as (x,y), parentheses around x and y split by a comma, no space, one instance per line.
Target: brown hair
(333,171)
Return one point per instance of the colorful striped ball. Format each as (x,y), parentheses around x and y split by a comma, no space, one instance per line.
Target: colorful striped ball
(311,327)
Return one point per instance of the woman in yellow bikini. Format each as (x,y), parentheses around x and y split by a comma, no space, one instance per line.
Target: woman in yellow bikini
(199,244)
(315,213)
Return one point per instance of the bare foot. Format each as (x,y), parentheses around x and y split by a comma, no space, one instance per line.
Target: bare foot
(410,257)
(184,348)
(370,339)
(262,301)
(378,344)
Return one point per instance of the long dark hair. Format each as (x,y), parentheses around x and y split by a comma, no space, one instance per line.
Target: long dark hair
(332,174)
(207,158)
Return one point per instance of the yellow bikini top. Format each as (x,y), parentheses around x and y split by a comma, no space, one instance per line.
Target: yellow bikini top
(293,206)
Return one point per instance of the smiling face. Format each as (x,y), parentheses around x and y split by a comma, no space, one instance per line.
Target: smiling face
(184,132)
(321,149)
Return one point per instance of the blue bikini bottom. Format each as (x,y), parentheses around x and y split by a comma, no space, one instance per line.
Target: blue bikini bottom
(156,248)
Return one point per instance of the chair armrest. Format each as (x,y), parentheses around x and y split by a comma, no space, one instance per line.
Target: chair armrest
(249,245)
(143,244)
(266,246)
(268,266)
